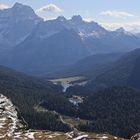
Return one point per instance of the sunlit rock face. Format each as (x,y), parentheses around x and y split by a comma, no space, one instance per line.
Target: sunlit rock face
(9,121)
(136,137)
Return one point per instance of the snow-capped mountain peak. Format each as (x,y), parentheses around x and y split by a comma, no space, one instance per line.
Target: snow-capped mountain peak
(61,18)
(16,23)
(121,29)
(77,19)
(18,5)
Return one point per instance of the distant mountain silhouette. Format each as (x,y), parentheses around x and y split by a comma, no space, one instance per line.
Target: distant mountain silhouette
(34,46)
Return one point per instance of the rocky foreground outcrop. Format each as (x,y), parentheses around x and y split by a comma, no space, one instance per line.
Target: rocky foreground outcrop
(11,128)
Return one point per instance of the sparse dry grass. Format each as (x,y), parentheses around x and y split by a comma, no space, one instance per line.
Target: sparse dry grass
(74,121)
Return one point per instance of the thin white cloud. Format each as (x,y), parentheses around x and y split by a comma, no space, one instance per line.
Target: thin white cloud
(130,26)
(117,14)
(3,6)
(87,19)
(50,8)
(49,18)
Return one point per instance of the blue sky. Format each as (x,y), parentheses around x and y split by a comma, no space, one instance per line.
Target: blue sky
(110,13)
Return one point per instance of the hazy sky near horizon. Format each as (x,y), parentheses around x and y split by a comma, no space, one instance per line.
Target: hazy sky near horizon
(110,13)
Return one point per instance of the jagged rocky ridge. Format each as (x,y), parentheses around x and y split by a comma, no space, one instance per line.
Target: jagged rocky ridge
(16,24)
(31,45)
